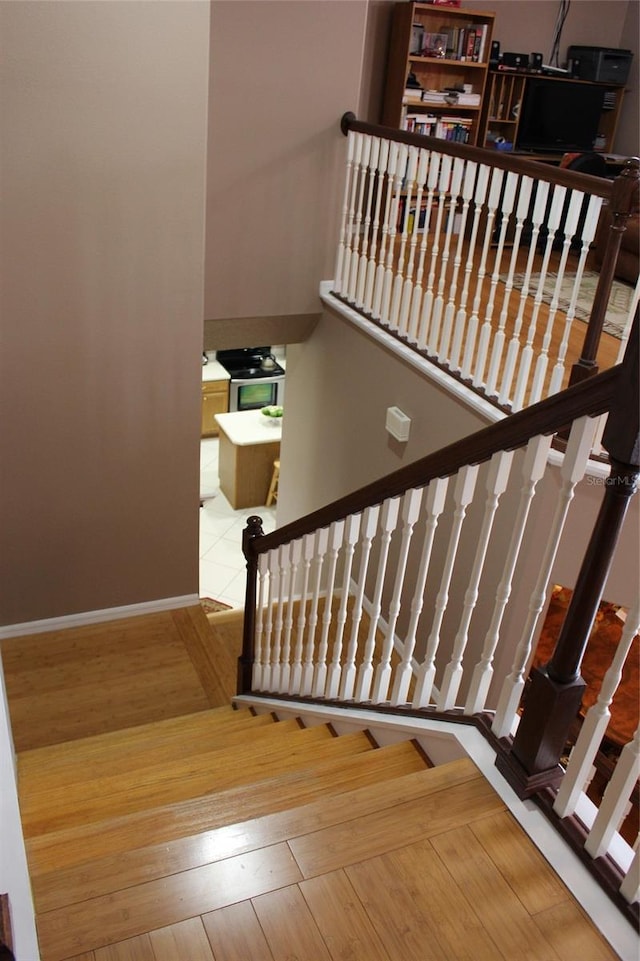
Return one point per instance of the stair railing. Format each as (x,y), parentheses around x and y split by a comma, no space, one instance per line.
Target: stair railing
(475,258)
(396,596)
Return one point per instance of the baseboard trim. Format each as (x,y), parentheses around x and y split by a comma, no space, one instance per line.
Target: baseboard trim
(98,617)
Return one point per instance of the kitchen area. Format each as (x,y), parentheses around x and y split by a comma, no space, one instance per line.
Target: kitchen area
(242,405)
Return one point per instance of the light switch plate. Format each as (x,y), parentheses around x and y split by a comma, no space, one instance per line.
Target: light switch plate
(398,423)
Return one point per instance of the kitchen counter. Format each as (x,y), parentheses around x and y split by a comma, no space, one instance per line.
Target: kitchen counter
(248,449)
(213,370)
(248,427)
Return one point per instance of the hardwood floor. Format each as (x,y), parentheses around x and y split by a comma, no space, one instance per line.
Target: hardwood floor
(339,851)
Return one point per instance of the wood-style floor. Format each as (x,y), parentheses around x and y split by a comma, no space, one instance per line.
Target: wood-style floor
(410,864)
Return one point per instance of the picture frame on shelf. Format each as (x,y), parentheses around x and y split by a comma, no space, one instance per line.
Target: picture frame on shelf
(434,45)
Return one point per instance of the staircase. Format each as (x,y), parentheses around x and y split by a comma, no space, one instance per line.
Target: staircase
(226,834)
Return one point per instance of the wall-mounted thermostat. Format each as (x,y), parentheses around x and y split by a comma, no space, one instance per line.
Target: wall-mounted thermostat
(398,423)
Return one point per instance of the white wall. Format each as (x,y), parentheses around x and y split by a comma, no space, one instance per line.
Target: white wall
(14,877)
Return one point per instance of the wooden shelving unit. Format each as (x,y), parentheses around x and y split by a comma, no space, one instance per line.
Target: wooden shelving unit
(437,66)
(505,92)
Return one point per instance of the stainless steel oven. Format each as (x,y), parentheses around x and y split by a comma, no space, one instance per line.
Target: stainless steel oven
(256,378)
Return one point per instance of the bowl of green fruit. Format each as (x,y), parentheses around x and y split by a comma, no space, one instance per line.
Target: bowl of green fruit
(272,415)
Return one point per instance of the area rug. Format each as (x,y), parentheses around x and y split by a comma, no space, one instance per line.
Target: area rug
(212,607)
(618,309)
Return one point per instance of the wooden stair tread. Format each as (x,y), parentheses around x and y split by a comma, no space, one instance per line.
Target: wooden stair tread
(138,733)
(139,866)
(271,796)
(162,743)
(47,810)
(115,871)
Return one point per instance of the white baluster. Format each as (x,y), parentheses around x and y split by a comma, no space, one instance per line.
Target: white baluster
(493,200)
(269,671)
(374,158)
(295,553)
(424,336)
(350,239)
(407,292)
(336,533)
(363,169)
(416,298)
(257,678)
(436,493)
(453,188)
(378,286)
(462,497)
(382,677)
(522,209)
(352,530)
(479,198)
(588,233)
(372,262)
(398,282)
(513,351)
(572,470)
(630,887)
(540,372)
(595,725)
(337,276)
(307,551)
(387,286)
(388,520)
(277,662)
(497,478)
(506,207)
(526,357)
(466,193)
(533,468)
(369,525)
(308,667)
(614,800)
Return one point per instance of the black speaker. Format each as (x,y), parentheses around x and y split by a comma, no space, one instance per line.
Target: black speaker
(495,51)
(515,59)
(536,61)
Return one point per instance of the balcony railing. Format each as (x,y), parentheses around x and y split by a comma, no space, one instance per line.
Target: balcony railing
(476,259)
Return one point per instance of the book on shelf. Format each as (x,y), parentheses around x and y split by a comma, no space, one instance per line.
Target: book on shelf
(472,42)
(456,129)
(413,94)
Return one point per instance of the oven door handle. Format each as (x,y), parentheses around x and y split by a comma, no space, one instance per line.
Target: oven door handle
(245,381)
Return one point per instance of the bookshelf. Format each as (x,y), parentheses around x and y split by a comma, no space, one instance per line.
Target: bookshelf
(446,50)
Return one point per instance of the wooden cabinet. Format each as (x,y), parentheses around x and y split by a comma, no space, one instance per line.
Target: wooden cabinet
(506,91)
(215,400)
(446,51)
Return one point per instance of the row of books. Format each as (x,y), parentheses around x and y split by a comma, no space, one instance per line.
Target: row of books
(453,98)
(457,129)
(466,43)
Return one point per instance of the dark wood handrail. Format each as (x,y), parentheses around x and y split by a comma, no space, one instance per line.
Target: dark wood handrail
(589,398)
(504,160)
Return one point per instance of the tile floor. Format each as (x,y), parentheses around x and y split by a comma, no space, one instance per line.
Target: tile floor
(222,563)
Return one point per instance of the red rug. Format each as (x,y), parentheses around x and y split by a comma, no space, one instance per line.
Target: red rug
(604,638)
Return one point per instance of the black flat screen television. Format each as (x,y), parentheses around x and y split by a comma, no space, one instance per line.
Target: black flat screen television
(559,115)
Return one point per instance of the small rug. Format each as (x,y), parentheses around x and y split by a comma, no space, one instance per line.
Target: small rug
(618,309)
(212,607)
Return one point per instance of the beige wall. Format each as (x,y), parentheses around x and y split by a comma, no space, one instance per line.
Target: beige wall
(282,74)
(340,383)
(104,110)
